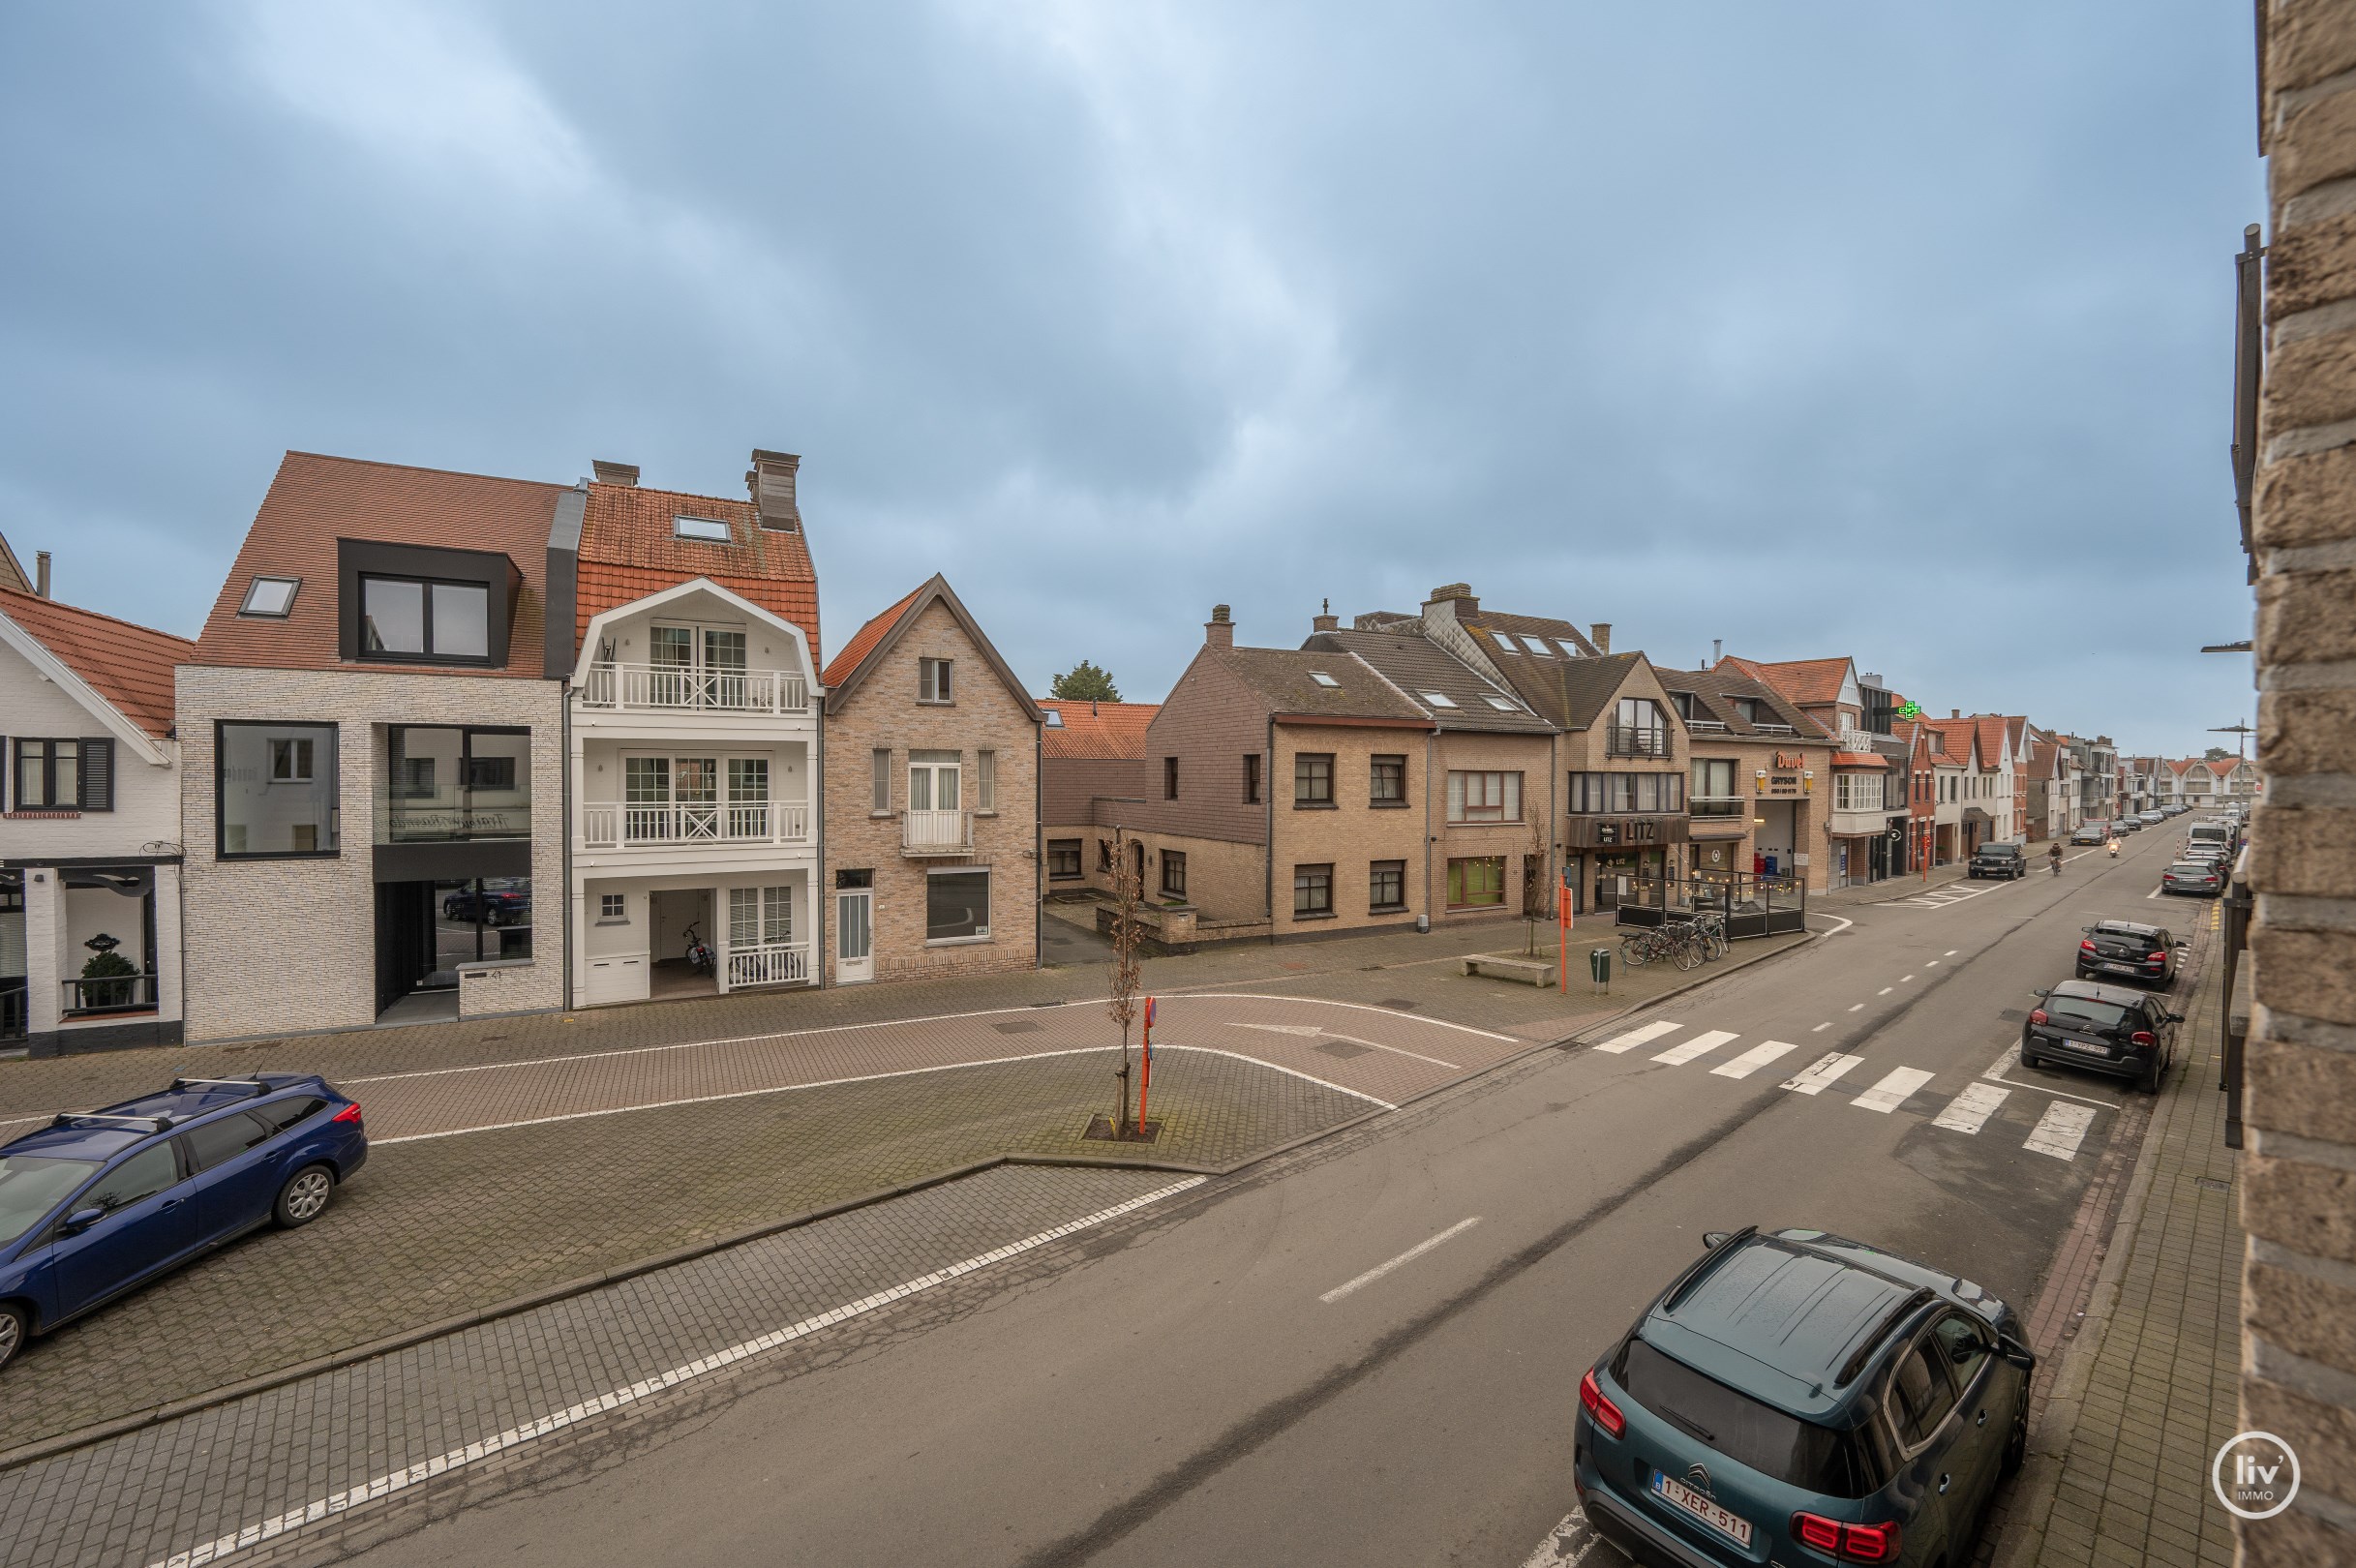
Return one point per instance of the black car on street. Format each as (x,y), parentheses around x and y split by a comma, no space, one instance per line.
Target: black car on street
(2129,951)
(2001,859)
(2205,878)
(2103,1029)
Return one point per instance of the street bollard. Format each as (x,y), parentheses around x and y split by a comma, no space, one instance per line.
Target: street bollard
(1599,969)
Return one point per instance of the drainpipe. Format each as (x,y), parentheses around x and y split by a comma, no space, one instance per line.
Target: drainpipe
(1039,851)
(1268,789)
(565,796)
(819,904)
(1428,742)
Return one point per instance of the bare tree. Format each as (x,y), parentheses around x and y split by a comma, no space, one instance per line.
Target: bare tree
(1536,884)
(1128,935)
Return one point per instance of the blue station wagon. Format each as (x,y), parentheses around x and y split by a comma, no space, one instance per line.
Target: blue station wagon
(1795,1397)
(95,1205)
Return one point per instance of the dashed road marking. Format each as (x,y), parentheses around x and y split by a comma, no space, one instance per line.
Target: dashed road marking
(1905,979)
(1821,1028)
(1821,1074)
(1969,1111)
(1702,1045)
(1408,1256)
(1636,1037)
(1857,1007)
(1892,1092)
(2060,1131)
(1887,989)
(1752,1059)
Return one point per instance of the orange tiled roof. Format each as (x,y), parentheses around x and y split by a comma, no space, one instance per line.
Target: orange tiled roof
(1806,681)
(130,666)
(1097,732)
(314,499)
(2221,765)
(864,639)
(630,548)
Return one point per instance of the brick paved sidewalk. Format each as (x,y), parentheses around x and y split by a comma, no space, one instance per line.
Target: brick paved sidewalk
(2149,1388)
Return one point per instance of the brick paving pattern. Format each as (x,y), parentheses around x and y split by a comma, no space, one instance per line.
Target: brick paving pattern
(167,1489)
(2151,1389)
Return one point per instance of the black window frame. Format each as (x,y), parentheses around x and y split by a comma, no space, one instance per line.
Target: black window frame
(1173,873)
(1394,764)
(335,787)
(1314,872)
(1305,765)
(362,560)
(1170,778)
(1057,849)
(429,655)
(989,894)
(1251,778)
(93,761)
(467,783)
(1376,872)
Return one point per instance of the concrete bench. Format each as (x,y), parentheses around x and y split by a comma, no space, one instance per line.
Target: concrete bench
(1538,971)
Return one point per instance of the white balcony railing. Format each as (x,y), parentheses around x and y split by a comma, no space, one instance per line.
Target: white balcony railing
(936,833)
(610,825)
(667,688)
(772,963)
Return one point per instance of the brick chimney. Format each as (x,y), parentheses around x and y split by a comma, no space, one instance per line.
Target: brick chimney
(1219,631)
(1458,598)
(1600,634)
(771,482)
(1325,620)
(615,473)
(1954,712)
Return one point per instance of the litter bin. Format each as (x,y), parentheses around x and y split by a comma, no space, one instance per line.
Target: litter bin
(1599,967)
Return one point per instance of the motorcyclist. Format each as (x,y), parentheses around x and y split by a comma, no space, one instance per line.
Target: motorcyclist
(2053,857)
(2112,844)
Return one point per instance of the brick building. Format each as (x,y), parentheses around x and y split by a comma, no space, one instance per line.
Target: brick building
(931,799)
(1092,762)
(1761,779)
(1868,838)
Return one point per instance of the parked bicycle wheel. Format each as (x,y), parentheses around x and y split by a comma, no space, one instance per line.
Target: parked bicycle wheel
(1688,953)
(1635,950)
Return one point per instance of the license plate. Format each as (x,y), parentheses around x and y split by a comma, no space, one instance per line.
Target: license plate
(2123,969)
(1732,1526)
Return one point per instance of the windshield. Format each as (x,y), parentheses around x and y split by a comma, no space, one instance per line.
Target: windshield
(30,1187)
(2000,852)
(2084,1012)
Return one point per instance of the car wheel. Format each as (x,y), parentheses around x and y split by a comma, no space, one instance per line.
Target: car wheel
(2149,1083)
(2028,1057)
(2016,1445)
(13,1332)
(305,1197)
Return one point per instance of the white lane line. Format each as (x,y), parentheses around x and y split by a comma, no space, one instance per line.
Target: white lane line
(1821,1028)
(1969,1111)
(1838,924)
(1408,1256)
(1933,964)
(1636,1037)
(2060,1131)
(1566,1544)
(517,1436)
(1857,1007)
(1886,990)
(1892,1092)
(1757,1057)
(1279,1067)
(1949,954)
(1904,979)
(1302,1001)
(1311,1032)
(1821,1073)
(2154,893)
(1995,1075)
(1702,1045)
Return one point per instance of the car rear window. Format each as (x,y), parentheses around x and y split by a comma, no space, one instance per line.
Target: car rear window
(282,1114)
(31,1185)
(2084,1012)
(2194,868)
(1772,1441)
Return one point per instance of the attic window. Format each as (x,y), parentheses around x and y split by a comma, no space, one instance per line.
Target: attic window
(1506,642)
(708,529)
(1325,680)
(1438,699)
(1055,720)
(1569,652)
(1537,646)
(1503,704)
(270,596)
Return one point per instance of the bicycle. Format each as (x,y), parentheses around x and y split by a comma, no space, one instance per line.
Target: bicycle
(1711,927)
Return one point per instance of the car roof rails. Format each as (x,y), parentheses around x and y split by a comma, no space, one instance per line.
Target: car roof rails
(144,1123)
(1904,1309)
(1676,1293)
(255,1085)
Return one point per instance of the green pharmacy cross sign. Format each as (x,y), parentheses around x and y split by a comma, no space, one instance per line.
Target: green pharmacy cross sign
(1909,710)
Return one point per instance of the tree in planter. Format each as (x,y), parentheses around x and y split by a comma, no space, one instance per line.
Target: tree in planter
(1128,936)
(1084,683)
(1537,891)
(109,979)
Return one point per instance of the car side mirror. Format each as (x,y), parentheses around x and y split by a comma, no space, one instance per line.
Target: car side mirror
(80,1220)
(2041,992)
(2087,929)
(2176,1017)
(1712,1239)
(2018,1353)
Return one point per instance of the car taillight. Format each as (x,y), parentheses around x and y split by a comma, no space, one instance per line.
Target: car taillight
(2086,946)
(2039,1016)
(1607,1414)
(1850,1542)
(349,1113)
(1816,1530)
(2143,1037)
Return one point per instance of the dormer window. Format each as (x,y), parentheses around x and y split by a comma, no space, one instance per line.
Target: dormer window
(408,617)
(705,529)
(1438,699)
(270,597)
(1325,680)
(1503,704)
(1537,646)
(1506,644)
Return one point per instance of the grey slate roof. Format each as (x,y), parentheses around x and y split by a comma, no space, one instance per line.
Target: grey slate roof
(1417,666)
(1486,623)
(1570,692)
(1713,689)
(1286,679)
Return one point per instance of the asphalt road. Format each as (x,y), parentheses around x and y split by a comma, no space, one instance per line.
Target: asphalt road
(1245,1380)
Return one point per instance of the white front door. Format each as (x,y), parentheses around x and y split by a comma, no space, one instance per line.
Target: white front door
(853,936)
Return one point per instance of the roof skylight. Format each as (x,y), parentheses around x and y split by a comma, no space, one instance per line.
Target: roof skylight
(1505,641)
(1504,705)
(1569,652)
(1322,678)
(1438,699)
(270,596)
(1537,646)
(707,530)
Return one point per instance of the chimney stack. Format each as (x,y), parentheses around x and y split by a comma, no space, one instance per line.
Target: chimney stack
(1219,631)
(615,473)
(1717,648)
(771,482)
(41,573)
(1325,620)
(1600,634)
(1458,598)
(1954,712)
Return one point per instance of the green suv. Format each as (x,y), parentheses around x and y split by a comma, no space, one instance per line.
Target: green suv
(1794,1397)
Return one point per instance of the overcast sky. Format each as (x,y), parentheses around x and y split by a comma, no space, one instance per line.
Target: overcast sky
(1822,326)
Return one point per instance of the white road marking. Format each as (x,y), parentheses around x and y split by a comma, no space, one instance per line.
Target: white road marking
(1297,1001)
(1933,964)
(1314,1032)
(1892,1092)
(1969,1110)
(1566,1544)
(2060,1131)
(1636,1037)
(1702,1045)
(1995,1075)
(1821,1028)
(1857,1007)
(1886,990)
(517,1436)
(1838,924)
(1904,979)
(1757,1057)
(1949,954)
(1821,1073)
(1408,1256)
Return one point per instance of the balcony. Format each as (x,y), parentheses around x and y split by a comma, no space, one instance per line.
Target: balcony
(611,824)
(106,993)
(1706,726)
(936,833)
(662,688)
(1636,740)
(772,963)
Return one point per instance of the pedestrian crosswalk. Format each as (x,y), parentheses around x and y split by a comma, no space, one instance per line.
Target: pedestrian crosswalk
(2058,1132)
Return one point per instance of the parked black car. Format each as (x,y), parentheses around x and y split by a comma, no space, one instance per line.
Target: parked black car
(2204,877)
(2129,949)
(2001,859)
(2103,1029)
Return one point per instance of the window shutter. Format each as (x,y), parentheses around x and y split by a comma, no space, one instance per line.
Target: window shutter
(98,775)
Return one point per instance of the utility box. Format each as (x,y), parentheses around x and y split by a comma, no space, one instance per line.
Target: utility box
(1599,967)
